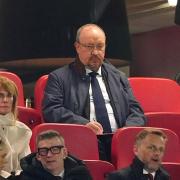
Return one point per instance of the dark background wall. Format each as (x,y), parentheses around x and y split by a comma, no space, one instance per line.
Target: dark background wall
(156,53)
(37,36)
(45,28)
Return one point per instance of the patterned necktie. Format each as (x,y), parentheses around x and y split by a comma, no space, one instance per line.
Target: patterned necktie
(99,104)
(150,176)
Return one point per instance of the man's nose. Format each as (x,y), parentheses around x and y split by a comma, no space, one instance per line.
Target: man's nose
(94,51)
(158,152)
(49,153)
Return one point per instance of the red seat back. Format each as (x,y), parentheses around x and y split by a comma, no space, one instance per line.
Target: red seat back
(156,94)
(80,140)
(165,120)
(99,169)
(16,79)
(123,142)
(29,116)
(173,169)
(39,92)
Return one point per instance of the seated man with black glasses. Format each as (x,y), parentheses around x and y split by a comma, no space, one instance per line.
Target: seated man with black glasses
(52,161)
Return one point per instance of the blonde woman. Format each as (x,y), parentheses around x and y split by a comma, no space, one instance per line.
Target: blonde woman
(15,133)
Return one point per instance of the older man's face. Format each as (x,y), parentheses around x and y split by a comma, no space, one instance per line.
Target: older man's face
(91,47)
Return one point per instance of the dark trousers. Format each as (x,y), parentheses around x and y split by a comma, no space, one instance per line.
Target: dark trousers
(104,143)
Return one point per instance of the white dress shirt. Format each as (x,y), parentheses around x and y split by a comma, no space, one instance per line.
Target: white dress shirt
(106,98)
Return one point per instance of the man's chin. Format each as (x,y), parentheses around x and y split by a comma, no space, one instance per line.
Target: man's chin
(153,168)
(93,67)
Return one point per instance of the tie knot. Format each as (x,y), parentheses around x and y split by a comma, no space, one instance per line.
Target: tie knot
(58,177)
(93,74)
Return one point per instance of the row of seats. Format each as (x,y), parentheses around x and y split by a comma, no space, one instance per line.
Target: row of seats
(121,150)
(154,94)
(86,147)
(160,100)
(84,143)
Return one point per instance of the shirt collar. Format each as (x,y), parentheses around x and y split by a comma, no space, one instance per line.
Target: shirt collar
(89,71)
(61,174)
(146,172)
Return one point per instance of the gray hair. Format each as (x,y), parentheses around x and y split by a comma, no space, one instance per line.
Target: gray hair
(87,25)
(148,131)
(49,134)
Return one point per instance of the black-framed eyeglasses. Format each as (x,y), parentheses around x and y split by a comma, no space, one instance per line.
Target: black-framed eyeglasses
(54,150)
(91,47)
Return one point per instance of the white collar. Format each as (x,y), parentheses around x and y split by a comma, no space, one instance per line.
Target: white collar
(146,172)
(89,71)
(61,174)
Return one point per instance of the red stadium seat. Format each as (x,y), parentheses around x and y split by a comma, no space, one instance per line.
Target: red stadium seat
(80,140)
(16,79)
(123,142)
(164,120)
(99,169)
(29,116)
(156,94)
(173,169)
(39,92)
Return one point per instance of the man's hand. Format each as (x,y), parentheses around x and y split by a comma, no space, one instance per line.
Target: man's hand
(95,127)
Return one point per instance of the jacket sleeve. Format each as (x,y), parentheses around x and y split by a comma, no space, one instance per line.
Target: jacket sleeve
(79,173)
(115,176)
(136,115)
(53,104)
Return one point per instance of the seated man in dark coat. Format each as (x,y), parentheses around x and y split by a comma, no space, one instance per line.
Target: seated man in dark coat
(70,96)
(51,162)
(149,149)
(91,91)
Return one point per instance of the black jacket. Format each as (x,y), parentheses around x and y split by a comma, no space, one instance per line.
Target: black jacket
(33,170)
(135,172)
(66,96)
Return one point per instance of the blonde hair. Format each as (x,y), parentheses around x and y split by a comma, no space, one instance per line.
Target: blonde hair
(148,131)
(49,134)
(11,88)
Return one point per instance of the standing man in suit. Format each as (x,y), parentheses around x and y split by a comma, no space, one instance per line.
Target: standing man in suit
(69,94)
(149,149)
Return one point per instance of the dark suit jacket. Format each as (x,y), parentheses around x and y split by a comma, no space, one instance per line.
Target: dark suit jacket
(66,98)
(32,169)
(135,172)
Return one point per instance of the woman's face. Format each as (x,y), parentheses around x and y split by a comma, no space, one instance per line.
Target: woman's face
(6,101)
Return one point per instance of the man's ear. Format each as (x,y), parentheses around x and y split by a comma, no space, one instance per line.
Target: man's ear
(135,149)
(37,156)
(77,45)
(65,152)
